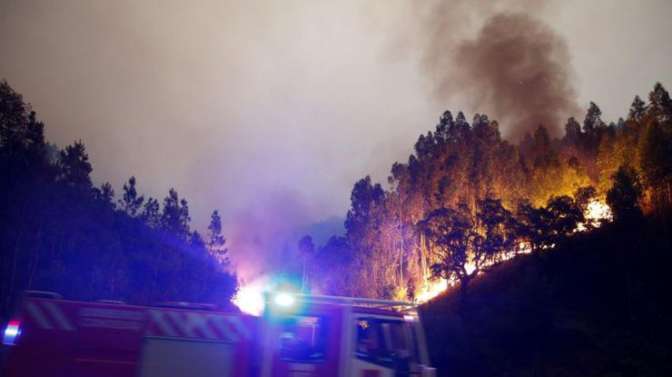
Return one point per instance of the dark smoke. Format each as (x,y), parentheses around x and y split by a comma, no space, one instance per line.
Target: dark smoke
(516,69)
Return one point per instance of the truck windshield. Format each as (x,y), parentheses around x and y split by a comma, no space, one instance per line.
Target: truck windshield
(303,338)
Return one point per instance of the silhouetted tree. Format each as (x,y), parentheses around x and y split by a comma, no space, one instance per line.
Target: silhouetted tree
(75,168)
(175,216)
(637,109)
(196,241)
(583,196)
(495,232)
(593,120)
(151,213)
(131,202)
(216,240)
(660,104)
(624,196)
(534,225)
(656,162)
(564,215)
(365,196)
(105,194)
(450,234)
(573,132)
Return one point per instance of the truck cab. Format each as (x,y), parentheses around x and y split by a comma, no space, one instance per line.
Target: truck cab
(342,336)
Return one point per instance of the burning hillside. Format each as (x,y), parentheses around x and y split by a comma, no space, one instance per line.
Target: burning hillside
(595,214)
(467,199)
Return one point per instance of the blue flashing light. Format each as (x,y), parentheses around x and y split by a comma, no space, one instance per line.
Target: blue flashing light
(284,299)
(11,333)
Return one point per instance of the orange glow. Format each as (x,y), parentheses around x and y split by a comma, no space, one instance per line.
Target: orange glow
(431,289)
(596,212)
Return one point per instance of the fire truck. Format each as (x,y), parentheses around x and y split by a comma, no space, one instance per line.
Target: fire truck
(296,336)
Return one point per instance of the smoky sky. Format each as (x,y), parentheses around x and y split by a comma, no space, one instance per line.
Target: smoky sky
(240,105)
(516,69)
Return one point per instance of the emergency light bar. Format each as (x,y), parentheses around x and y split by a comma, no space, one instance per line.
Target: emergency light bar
(357,301)
(11,333)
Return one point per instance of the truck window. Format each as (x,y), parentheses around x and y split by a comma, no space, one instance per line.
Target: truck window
(371,342)
(399,341)
(303,339)
(384,342)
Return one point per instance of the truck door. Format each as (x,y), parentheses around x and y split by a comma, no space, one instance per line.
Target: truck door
(384,348)
(303,345)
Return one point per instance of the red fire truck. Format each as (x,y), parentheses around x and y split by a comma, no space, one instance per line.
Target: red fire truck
(297,335)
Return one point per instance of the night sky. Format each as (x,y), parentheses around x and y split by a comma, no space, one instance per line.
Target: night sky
(271,110)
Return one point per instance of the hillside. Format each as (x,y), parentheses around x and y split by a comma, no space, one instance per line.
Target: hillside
(598,305)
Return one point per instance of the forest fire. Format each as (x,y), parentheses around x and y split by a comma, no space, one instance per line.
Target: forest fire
(595,214)
(431,289)
(250,297)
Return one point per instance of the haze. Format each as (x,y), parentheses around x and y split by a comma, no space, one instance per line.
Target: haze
(271,110)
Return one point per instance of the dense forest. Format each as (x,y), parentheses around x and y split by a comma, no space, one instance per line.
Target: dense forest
(467,199)
(61,233)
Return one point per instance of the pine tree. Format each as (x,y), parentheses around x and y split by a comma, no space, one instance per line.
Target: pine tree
(364,198)
(637,110)
(131,202)
(624,196)
(175,216)
(216,241)
(656,163)
(105,194)
(593,120)
(660,104)
(572,132)
(75,168)
(151,213)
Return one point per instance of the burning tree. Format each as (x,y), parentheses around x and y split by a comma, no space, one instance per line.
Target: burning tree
(466,244)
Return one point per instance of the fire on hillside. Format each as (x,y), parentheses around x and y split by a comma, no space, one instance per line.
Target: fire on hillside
(595,214)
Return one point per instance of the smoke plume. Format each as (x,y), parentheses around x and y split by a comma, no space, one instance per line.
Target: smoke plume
(515,69)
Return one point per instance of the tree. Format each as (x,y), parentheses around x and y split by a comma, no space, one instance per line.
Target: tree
(450,235)
(75,168)
(534,225)
(196,241)
(333,270)
(572,132)
(593,120)
(656,163)
(364,198)
(175,216)
(624,196)
(131,202)
(660,104)
(637,110)
(583,196)
(151,213)
(105,194)
(495,233)
(216,240)
(564,215)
